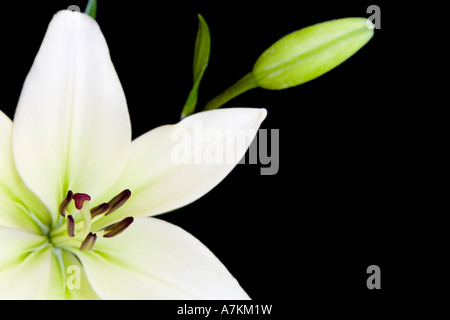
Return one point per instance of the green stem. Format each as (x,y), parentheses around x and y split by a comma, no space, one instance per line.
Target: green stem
(243,85)
(191,101)
(91,9)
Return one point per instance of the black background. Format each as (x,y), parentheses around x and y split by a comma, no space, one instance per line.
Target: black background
(344,198)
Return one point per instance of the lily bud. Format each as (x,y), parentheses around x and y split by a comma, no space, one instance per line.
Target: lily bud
(310,52)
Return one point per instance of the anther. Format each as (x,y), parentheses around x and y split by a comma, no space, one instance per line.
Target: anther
(100,209)
(118,201)
(89,242)
(118,227)
(70,226)
(65,203)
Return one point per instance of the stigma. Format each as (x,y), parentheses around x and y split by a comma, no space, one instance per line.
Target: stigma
(81,203)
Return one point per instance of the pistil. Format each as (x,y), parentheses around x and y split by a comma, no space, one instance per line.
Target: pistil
(82,204)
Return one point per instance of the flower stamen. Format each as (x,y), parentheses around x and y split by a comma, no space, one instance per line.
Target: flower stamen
(89,242)
(100,209)
(82,212)
(65,203)
(70,226)
(118,227)
(118,201)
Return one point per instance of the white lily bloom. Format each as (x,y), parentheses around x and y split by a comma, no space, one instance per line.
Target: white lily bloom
(71,140)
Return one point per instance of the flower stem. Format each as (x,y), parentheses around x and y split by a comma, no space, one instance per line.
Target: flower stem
(243,85)
(91,9)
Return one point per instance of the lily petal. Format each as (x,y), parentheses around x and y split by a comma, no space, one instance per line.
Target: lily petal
(174,165)
(18,203)
(154,259)
(29,279)
(24,270)
(68,280)
(16,243)
(71,128)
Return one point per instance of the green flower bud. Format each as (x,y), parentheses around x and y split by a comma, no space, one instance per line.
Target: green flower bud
(310,52)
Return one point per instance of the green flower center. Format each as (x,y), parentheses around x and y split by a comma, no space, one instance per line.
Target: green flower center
(75,221)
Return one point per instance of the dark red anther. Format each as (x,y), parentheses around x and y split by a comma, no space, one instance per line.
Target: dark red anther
(118,227)
(65,203)
(70,226)
(100,209)
(118,201)
(88,242)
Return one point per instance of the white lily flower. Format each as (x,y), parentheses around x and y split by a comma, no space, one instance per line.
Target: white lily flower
(72,181)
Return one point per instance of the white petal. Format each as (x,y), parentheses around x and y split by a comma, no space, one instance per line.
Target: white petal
(71,127)
(32,269)
(154,259)
(15,243)
(24,271)
(174,165)
(18,203)
(68,280)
